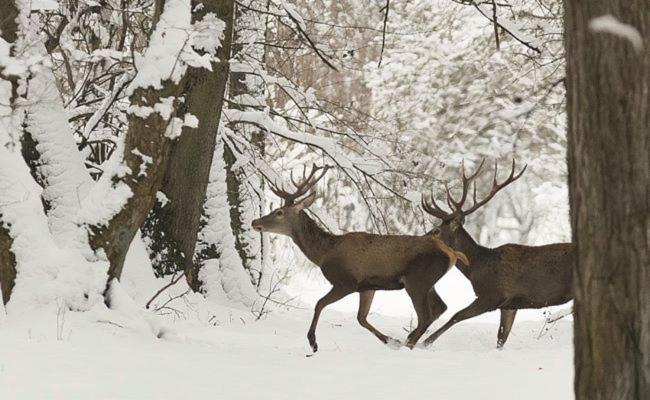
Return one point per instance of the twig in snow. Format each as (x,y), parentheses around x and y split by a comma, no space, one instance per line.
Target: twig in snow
(174,281)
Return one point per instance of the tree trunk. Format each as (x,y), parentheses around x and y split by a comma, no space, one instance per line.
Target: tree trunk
(145,137)
(172,228)
(8,32)
(7,264)
(250,29)
(608,92)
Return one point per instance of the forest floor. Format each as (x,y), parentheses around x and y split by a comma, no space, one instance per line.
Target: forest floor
(221,352)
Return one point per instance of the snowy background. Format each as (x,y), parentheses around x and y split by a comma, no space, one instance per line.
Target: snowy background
(393,104)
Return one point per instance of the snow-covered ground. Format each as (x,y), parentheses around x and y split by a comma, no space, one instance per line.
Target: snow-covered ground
(221,352)
(216,349)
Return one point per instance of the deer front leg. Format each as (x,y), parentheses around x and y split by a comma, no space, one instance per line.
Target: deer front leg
(365,301)
(507,319)
(335,294)
(477,307)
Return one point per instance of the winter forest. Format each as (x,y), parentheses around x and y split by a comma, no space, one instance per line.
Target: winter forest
(315,199)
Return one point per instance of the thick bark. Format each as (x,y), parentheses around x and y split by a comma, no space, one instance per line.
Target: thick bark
(608,92)
(147,135)
(249,29)
(8,32)
(7,264)
(173,227)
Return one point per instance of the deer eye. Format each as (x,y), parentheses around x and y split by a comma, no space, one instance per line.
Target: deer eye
(279,213)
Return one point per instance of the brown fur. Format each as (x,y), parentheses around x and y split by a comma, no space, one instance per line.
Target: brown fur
(511,277)
(364,262)
(454,255)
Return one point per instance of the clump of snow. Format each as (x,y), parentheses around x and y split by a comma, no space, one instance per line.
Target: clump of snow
(609,24)
(175,126)
(46,272)
(208,33)
(146,161)
(162,198)
(169,52)
(109,194)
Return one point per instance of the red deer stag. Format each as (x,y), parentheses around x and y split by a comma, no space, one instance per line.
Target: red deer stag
(509,277)
(362,262)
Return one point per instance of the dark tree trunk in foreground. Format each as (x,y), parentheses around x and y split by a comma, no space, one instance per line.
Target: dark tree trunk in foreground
(173,227)
(8,32)
(608,92)
(7,264)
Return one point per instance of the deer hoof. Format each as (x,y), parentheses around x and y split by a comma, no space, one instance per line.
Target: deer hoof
(393,343)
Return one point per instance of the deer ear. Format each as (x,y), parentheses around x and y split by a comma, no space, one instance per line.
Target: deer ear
(307,201)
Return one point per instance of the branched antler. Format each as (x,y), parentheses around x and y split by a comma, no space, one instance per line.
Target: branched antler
(308,181)
(457,206)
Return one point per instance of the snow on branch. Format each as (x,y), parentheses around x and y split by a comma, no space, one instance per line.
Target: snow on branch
(508,26)
(170,52)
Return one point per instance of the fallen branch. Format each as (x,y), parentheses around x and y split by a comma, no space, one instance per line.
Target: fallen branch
(174,281)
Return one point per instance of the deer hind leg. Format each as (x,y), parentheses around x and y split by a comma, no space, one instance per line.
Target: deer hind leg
(477,307)
(418,287)
(335,294)
(365,301)
(436,307)
(436,304)
(507,319)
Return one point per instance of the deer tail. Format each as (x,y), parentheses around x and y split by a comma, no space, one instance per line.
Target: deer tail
(462,257)
(453,255)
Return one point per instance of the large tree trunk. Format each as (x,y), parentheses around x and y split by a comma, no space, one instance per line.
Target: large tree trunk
(146,149)
(7,264)
(608,92)
(173,228)
(8,32)
(250,32)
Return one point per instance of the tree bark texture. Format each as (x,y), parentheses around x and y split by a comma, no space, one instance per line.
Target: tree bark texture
(147,135)
(248,30)
(608,92)
(172,228)
(7,264)
(8,32)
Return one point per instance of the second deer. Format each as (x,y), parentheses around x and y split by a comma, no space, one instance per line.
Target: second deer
(362,262)
(509,277)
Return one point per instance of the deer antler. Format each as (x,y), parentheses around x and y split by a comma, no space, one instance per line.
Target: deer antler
(308,181)
(433,208)
(495,187)
(456,206)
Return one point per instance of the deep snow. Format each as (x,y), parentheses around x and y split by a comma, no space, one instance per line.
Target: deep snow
(216,349)
(220,352)
(241,359)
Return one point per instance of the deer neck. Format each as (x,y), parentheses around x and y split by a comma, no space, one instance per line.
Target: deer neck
(312,240)
(464,242)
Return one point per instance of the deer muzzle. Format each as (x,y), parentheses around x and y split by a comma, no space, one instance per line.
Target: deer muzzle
(257,226)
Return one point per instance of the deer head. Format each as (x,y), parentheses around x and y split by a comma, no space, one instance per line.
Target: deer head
(455,218)
(283,219)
